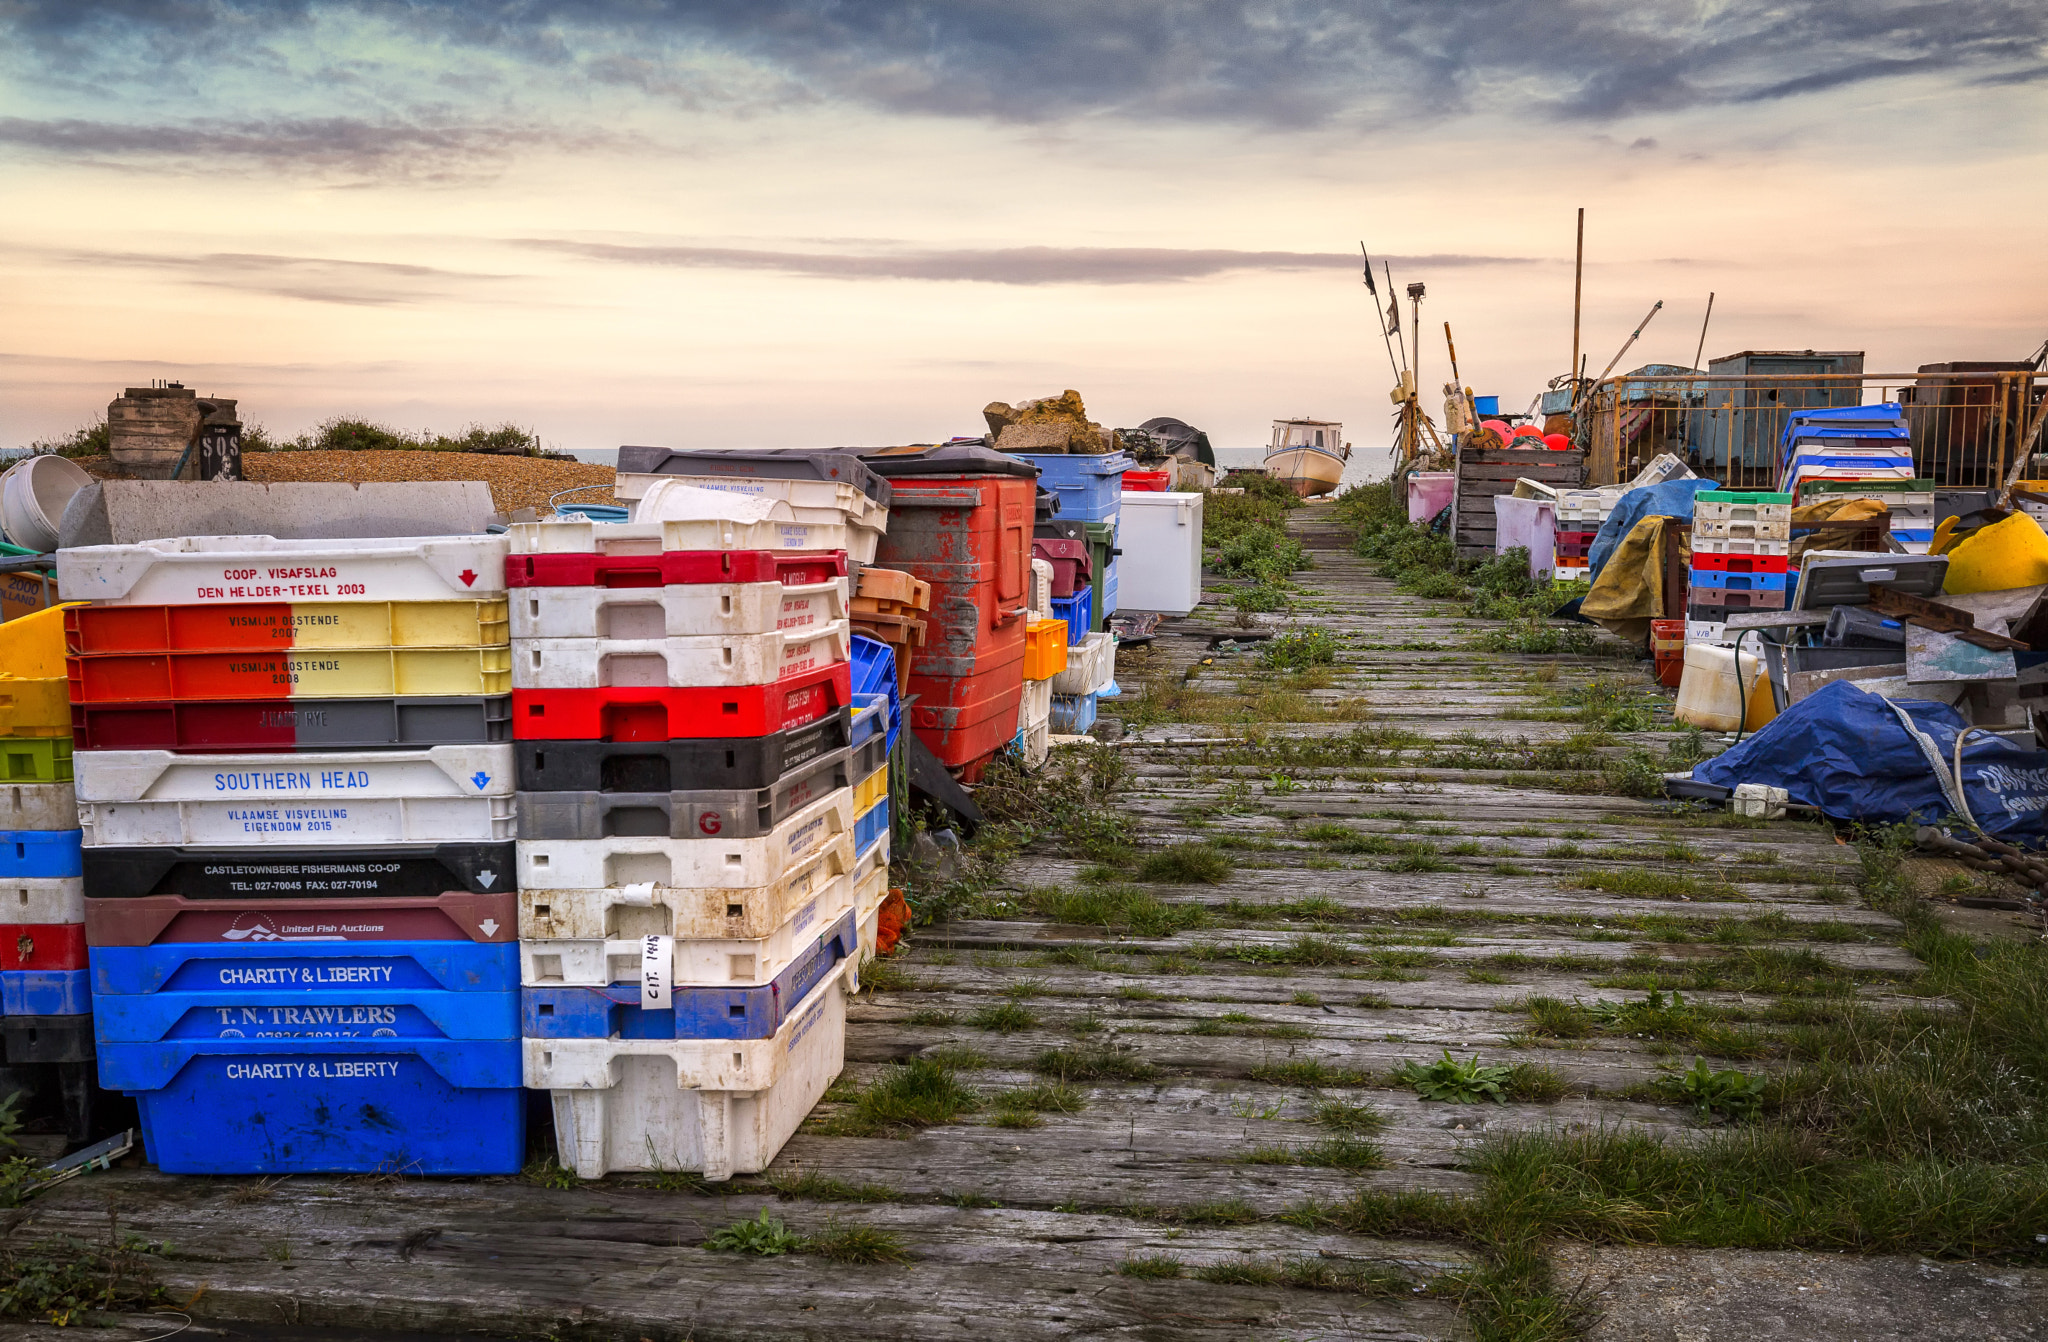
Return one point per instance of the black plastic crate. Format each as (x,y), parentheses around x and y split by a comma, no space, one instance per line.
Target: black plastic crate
(36,1039)
(387,872)
(697,765)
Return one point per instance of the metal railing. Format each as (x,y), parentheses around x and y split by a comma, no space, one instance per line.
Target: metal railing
(1967,427)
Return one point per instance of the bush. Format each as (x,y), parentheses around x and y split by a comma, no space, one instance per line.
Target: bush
(1301,650)
(1263,552)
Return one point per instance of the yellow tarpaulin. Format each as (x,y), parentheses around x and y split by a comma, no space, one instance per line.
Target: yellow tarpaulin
(1629,592)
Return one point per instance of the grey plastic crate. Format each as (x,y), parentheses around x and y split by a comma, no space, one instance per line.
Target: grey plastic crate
(729,813)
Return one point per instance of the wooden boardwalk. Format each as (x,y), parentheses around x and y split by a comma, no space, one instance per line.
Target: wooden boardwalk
(1382,908)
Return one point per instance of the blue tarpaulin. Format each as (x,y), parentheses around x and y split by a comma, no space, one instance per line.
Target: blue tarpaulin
(1849,753)
(1673,498)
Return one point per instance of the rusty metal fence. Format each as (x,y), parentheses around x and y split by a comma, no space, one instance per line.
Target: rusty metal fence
(1967,427)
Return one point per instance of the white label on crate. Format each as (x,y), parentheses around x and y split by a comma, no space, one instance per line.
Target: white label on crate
(289,820)
(657,971)
(807,837)
(308,1022)
(290,780)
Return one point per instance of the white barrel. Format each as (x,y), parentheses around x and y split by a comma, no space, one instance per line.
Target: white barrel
(617,913)
(42,899)
(742,659)
(681,610)
(712,864)
(716,1107)
(707,962)
(208,570)
(33,496)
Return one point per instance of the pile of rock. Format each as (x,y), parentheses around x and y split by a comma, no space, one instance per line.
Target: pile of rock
(1051,424)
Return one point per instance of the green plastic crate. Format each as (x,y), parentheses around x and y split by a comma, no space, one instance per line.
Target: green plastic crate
(35,759)
(1740,498)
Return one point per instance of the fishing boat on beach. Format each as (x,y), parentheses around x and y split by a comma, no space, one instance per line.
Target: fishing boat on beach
(1307,455)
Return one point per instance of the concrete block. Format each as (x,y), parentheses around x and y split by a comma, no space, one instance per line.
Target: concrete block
(122,512)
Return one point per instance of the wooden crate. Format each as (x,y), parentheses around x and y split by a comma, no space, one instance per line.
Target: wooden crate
(1486,471)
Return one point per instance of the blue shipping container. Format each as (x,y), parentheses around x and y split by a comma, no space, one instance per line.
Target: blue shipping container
(306,971)
(329,1106)
(614,1011)
(1073,714)
(1077,610)
(45,992)
(34,854)
(869,827)
(1090,486)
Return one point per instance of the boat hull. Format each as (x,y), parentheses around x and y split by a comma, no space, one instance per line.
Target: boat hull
(1305,470)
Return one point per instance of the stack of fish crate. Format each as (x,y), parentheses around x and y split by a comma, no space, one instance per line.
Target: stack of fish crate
(45,1003)
(295,787)
(1045,656)
(1741,558)
(690,889)
(890,605)
(1861,452)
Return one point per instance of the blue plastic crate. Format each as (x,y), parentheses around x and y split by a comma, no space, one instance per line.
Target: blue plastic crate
(325,1106)
(874,672)
(1076,610)
(37,853)
(1740,582)
(45,992)
(870,825)
(871,720)
(407,1015)
(1089,487)
(1072,714)
(336,971)
(614,1011)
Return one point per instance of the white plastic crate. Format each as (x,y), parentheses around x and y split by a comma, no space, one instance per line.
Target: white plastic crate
(717,1107)
(1041,589)
(1721,529)
(617,913)
(443,794)
(711,864)
(576,535)
(38,806)
(42,899)
(741,659)
(724,962)
(870,889)
(1705,509)
(204,570)
(1036,705)
(1708,631)
(681,610)
(803,496)
(1089,665)
(1741,545)
(876,857)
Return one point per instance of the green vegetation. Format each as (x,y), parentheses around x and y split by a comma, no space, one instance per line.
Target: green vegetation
(1115,906)
(64,1281)
(1186,864)
(1730,1094)
(1455,1082)
(765,1237)
(1150,1267)
(1426,563)
(1004,1018)
(1300,650)
(921,1093)
(1092,1063)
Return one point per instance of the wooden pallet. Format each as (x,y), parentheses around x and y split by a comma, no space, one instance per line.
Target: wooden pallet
(1484,472)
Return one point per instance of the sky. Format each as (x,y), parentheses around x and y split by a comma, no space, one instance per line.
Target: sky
(810,222)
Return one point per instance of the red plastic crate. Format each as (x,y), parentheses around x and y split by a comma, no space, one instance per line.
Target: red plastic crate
(969,536)
(1706,563)
(796,568)
(1582,538)
(42,946)
(1148,482)
(257,627)
(1069,560)
(458,915)
(670,713)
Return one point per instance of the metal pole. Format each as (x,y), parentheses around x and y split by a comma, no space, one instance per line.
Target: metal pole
(1633,336)
(1578,292)
(1703,332)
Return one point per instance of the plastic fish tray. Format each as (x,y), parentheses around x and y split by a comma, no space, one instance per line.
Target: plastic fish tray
(358,673)
(640,570)
(283,626)
(40,853)
(222,570)
(45,992)
(681,815)
(38,806)
(35,759)
(713,764)
(295,724)
(454,916)
(579,536)
(662,713)
(700,610)
(714,864)
(43,899)
(617,913)
(48,945)
(388,871)
(723,660)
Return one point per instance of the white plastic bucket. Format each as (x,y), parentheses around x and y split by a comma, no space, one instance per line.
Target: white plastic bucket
(33,496)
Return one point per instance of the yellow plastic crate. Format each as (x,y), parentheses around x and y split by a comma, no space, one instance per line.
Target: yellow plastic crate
(362,673)
(39,706)
(401,624)
(870,790)
(32,646)
(1045,648)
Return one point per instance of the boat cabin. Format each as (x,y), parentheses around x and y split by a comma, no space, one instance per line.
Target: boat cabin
(1324,435)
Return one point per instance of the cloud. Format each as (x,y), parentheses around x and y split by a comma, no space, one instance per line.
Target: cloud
(1273,63)
(312,279)
(995,265)
(345,146)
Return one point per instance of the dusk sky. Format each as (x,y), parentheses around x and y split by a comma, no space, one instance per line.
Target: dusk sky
(784,224)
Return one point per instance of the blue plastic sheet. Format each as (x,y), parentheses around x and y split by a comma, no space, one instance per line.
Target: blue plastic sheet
(1845,751)
(1673,498)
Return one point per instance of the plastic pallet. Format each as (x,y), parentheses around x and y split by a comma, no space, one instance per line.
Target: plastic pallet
(456,915)
(615,1011)
(386,872)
